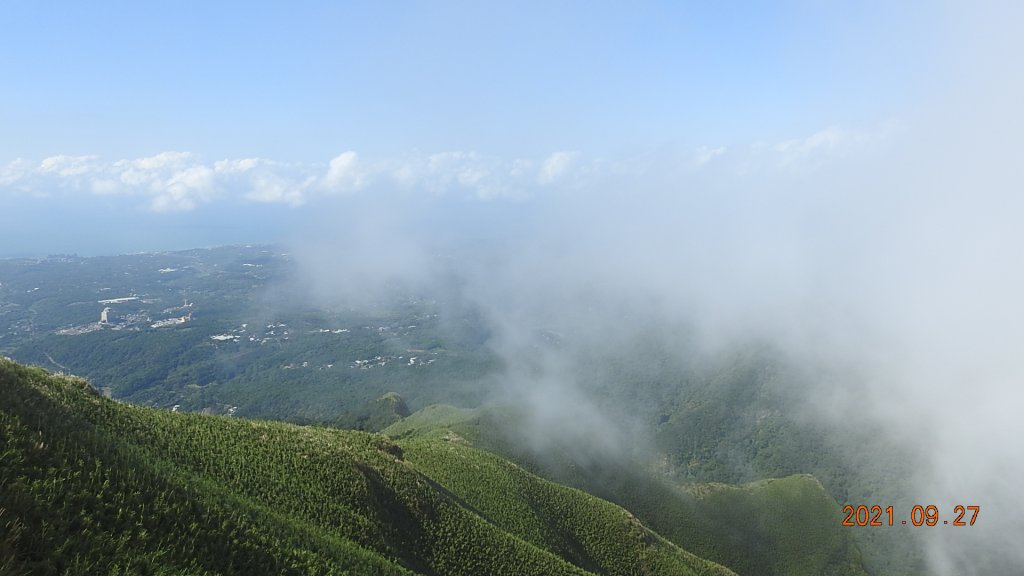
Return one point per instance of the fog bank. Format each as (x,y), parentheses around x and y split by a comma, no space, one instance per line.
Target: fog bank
(882,260)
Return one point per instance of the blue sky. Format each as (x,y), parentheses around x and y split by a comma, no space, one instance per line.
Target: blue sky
(841,176)
(301,81)
(129,106)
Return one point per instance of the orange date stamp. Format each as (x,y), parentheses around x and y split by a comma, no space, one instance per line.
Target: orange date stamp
(919,516)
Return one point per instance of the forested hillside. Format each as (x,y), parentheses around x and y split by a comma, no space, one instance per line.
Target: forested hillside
(93,486)
(248,351)
(786,526)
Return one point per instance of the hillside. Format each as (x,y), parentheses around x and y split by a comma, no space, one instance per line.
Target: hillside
(786,526)
(92,486)
(252,349)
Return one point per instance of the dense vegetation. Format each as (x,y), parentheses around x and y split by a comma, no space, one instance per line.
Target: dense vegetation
(784,526)
(93,486)
(256,348)
(255,344)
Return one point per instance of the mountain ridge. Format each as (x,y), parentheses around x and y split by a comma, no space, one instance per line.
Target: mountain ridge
(91,485)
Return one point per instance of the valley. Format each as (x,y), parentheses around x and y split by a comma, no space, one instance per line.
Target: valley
(228,332)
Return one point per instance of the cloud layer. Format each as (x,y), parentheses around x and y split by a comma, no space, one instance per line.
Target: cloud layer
(175,181)
(883,263)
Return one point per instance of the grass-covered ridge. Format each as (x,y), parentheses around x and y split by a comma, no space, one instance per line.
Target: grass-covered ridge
(92,486)
(786,526)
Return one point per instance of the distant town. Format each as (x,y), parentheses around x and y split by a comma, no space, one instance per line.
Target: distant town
(128,321)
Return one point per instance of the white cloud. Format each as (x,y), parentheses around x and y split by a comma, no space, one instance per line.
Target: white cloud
(556,166)
(520,168)
(809,151)
(343,173)
(182,181)
(194,178)
(184,190)
(706,154)
(237,166)
(105,186)
(152,172)
(271,188)
(162,160)
(455,172)
(134,177)
(465,169)
(14,171)
(67,165)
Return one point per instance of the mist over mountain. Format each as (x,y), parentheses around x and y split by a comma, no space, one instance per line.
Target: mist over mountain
(879,264)
(676,244)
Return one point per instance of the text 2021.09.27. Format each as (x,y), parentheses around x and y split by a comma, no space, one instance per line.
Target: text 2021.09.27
(919,516)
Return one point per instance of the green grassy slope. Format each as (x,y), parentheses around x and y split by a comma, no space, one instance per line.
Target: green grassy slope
(732,415)
(591,532)
(788,526)
(740,421)
(92,486)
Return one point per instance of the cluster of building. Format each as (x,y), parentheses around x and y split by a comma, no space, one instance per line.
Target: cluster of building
(108,319)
